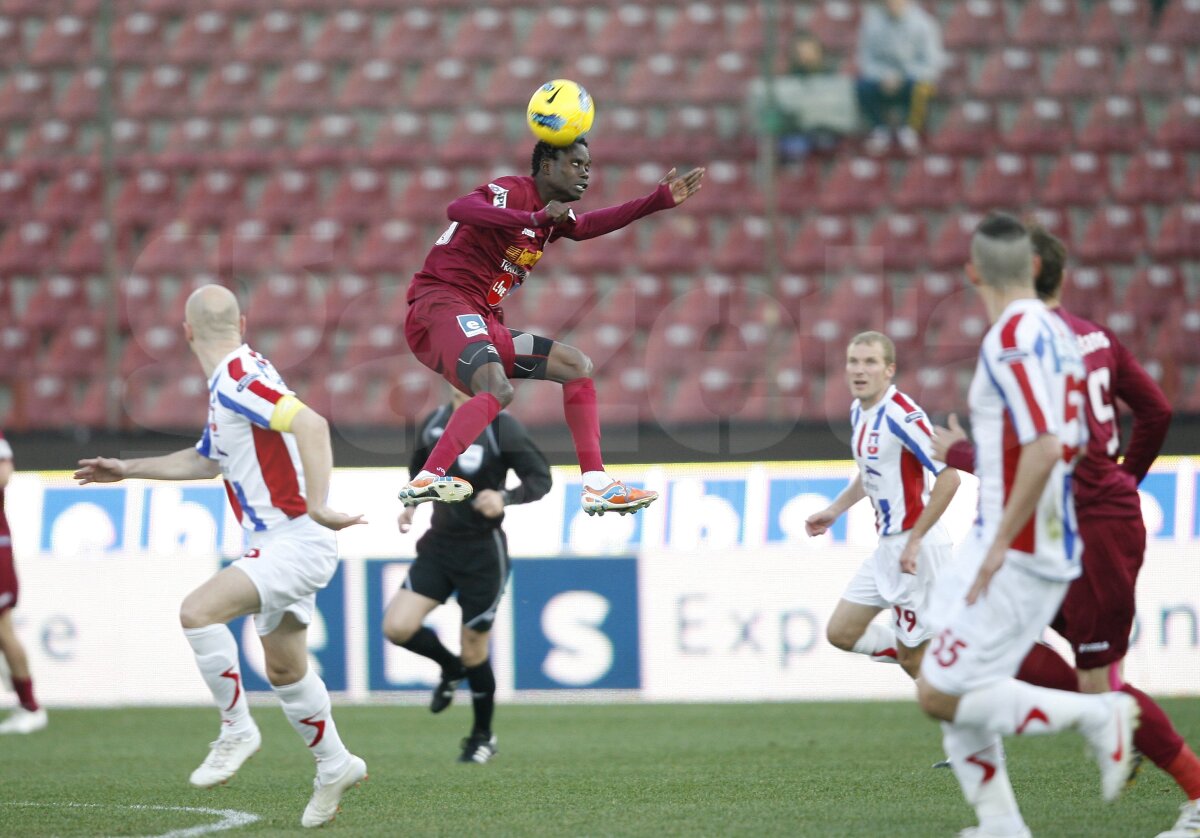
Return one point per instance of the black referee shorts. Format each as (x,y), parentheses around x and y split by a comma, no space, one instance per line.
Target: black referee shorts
(477,569)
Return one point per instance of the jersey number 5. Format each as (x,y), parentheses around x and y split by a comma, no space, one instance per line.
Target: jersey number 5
(1099,386)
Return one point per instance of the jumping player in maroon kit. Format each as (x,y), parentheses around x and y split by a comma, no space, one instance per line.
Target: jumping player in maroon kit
(1097,614)
(27,716)
(455,323)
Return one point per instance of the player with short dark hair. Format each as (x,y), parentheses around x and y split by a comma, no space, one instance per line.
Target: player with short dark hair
(1098,612)
(455,323)
(28,716)
(465,551)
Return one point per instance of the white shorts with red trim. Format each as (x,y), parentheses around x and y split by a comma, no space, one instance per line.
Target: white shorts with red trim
(288,564)
(880,583)
(977,645)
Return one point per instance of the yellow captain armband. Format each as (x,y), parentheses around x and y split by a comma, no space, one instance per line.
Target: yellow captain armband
(285,411)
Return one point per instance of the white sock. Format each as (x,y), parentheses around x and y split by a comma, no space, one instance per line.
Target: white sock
(423,474)
(306,705)
(217,657)
(1014,707)
(977,758)
(596,479)
(878,643)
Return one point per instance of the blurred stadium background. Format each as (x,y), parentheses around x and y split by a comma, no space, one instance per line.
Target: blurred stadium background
(304,155)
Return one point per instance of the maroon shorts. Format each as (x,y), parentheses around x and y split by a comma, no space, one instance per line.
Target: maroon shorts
(1097,614)
(440,325)
(8,577)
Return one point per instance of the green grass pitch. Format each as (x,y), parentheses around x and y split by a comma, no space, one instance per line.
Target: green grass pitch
(803,769)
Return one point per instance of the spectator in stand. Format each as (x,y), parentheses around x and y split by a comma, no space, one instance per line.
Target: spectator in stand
(816,102)
(899,59)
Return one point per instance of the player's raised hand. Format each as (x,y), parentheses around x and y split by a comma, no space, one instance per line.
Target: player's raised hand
(333,520)
(405,519)
(100,470)
(819,522)
(945,438)
(683,186)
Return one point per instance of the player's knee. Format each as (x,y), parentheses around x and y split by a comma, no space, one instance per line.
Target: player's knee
(504,392)
(839,637)
(399,630)
(936,704)
(193,616)
(282,673)
(577,363)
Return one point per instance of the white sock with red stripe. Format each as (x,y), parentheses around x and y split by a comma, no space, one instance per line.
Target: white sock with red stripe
(217,657)
(306,705)
(1014,707)
(878,643)
(977,759)
(596,479)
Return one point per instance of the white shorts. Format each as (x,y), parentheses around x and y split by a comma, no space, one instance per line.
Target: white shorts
(980,644)
(288,565)
(881,584)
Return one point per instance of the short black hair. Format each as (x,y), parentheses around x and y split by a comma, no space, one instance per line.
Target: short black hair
(543,150)
(1002,226)
(1053,255)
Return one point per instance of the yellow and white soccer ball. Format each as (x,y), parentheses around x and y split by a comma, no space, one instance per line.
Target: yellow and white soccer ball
(560,112)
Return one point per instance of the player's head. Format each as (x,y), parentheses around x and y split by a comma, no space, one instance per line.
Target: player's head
(1001,253)
(211,315)
(1052,257)
(870,366)
(561,172)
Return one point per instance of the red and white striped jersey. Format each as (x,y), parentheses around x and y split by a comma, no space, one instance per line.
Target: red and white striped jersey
(1029,381)
(893,449)
(261,467)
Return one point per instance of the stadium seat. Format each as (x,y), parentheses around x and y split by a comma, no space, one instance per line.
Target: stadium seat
(1154,177)
(26,95)
(77,348)
(484,33)
(954,82)
(1179,235)
(284,299)
(80,100)
(1117,22)
(171,249)
(655,80)
(17,192)
(289,198)
(959,323)
(275,38)
(446,80)
(216,197)
(628,32)
(625,139)
(562,301)
(249,247)
(610,346)
(794,185)
(743,249)
(139,302)
(259,143)
(322,244)
(1115,234)
(679,244)
(20,346)
(1056,221)
(1180,127)
(231,90)
(375,84)
(1082,71)
(1010,73)
(371,344)
(856,184)
(1004,180)
(87,252)
(428,192)
(12,51)
(1046,24)
(50,145)
(599,77)
(691,138)
(360,197)
(835,24)
(206,38)
(334,394)
(162,92)
(824,243)
(391,245)
(1114,125)
(330,140)
(902,242)
(1042,126)
(55,298)
(861,301)
(477,138)
(936,390)
(414,36)
(639,298)
(303,87)
(192,143)
(706,396)
(971,129)
(699,30)
(931,182)
(800,296)
(179,401)
(1154,69)
(1078,179)
(554,35)
(512,81)
(402,140)
(1155,291)
(1088,292)
(64,41)
(1180,23)
(72,196)
(721,79)
(346,36)
(137,39)
(791,392)
(352,301)
(27,248)
(951,245)
(42,399)
(975,25)
(631,395)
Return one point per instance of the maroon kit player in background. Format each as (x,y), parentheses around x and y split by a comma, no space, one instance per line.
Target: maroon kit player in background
(27,717)
(1097,614)
(455,323)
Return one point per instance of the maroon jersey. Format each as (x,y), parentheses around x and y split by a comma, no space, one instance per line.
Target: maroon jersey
(1102,487)
(5,533)
(495,238)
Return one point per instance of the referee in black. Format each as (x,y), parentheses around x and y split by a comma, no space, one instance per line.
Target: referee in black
(465,550)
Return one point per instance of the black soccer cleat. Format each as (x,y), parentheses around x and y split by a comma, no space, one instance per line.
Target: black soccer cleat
(443,693)
(478,748)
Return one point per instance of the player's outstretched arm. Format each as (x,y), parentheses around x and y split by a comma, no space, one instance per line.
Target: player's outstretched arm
(316,455)
(187,464)
(819,522)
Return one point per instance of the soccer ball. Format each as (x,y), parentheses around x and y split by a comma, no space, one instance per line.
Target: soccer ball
(560,112)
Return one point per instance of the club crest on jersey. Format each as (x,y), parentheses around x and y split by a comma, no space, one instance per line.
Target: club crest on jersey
(873,445)
(472,325)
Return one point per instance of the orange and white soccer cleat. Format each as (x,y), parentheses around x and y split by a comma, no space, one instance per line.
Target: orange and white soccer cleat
(431,487)
(616,496)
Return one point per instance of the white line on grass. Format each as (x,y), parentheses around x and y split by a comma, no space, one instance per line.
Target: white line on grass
(230,818)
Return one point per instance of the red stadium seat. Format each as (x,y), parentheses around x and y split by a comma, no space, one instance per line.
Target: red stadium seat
(1180,23)
(691,137)
(290,198)
(835,23)
(931,182)
(174,248)
(27,248)
(861,301)
(139,302)
(1054,220)
(554,35)
(179,401)
(284,299)
(331,140)
(1088,292)
(1155,291)
(50,144)
(699,30)
(971,129)
(1115,124)
(640,298)
(902,241)
(232,89)
(346,36)
(20,346)
(402,140)
(206,38)
(1117,22)
(1154,177)
(360,197)
(622,138)
(1179,336)
(81,100)
(1004,180)
(856,184)
(475,139)
(722,79)
(485,33)
(1043,126)
(352,301)
(248,247)
(323,244)
(1047,24)
(679,244)
(1179,235)
(743,250)
(1180,128)
(1115,234)
(259,143)
(800,296)
(377,342)
(628,32)
(77,349)
(1077,179)
(138,39)
(1082,71)
(1011,73)
(56,298)
(791,392)
(392,245)
(74,195)
(275,38)
(376,84)
(65,41)
(951,246)
(513,81)
(302,350)
(43,399)
(794,186)
(825,243)
(192,143)
(1154,69)
(415,36)
(87,252)
(975,24)
(215,198)
(631,395)
(655,80)
(562,302)
(12,52)
(447,80)
(25,96)
(154,348)
(17,191)
(162,92)
(304,87)
(959,323)
(706,396)
(428,192)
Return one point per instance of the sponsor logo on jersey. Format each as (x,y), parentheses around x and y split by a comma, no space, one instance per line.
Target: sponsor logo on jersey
(1009,356)
(1093,342)
(500,195)
(245,380)
(499,289)
(523,258)
(532,234)
(914,416)
(1101,646)
(472,325)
